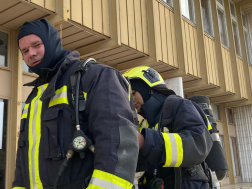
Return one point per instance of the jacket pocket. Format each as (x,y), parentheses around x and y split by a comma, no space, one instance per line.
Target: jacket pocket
(52,147)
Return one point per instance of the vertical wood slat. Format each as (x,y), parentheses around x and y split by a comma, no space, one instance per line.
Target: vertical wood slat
(50,5)
(87,13)
(144,27)
(174,44)
(105,17)
(124,22)
(225,69)
(76,11)
(39,2)
(97,15)
(212,60)
(196,47)
(241,77)
(208,59)
(250,75)
(216,70)
(69,6)
(138,22)
(192,50)
(131,23)
(159,46)
(169,37)
(163,33)
(188,48)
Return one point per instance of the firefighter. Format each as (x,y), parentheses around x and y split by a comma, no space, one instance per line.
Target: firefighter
(46,129)
(174,137)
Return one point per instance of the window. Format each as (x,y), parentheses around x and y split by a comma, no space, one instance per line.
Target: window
(3,48)
(187,9)
(236,38)
(235,156)
(230,117)
(26,68)
(220,1)
(216,111)
(247,39)
(235,28)
(207,16)
(223,147)
(169,2)
(3,133)
(223,27)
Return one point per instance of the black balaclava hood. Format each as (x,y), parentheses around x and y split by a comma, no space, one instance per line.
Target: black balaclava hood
(54,51)
(141,87)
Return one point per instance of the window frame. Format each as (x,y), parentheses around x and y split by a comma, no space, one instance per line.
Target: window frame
(8,66)
(169,4)
(218,113)
(234,21)
(211,20)
(222,9)
(246,32)
(194,19)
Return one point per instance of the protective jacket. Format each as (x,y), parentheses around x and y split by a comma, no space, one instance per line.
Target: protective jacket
(46,130)
(181,140)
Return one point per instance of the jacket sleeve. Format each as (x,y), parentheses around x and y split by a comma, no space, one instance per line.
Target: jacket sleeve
(18,182)
(188,142)
(111,121)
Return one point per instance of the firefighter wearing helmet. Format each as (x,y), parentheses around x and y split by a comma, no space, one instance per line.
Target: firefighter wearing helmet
(174,139)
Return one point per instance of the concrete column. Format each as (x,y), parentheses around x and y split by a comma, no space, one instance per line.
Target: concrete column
(243,122)
(176,84)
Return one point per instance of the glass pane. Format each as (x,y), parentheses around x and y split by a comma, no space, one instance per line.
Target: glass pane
(187,9)
(206,16)
(244,21)
(235,156)
(216,111)
(169,2)
(232,9)
(222,26)
(223,147)
(26,68)
(248,47)
(230,116)
(3,133)
(3,48)
(220,1)
(236,39)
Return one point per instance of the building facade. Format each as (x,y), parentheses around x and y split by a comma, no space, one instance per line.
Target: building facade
(205,42)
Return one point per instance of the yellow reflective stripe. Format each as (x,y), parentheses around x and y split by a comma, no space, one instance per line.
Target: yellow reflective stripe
(85,95)
(60,97)
(18,188)
(108,179)
(91,186)
(129,92)
(140,125)
(156,127)
(34,139)
(209,126)
(173,149)
(26,106)
(25,111)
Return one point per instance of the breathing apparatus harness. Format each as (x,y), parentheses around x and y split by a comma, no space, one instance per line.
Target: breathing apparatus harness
(80,142)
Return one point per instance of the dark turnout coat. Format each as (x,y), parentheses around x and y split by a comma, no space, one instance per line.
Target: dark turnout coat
(182,140)
(46,130)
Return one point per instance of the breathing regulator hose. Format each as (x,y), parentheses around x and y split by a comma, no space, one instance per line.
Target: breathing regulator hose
(70,152)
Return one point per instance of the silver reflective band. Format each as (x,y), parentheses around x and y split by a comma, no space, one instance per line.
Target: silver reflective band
(215,137)
(174,150)
(104,184)
(25,111)
(62,94)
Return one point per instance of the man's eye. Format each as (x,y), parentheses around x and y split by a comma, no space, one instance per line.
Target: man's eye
(38,45)
(24,52)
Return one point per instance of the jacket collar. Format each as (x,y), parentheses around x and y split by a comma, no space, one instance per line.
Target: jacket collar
(52,75)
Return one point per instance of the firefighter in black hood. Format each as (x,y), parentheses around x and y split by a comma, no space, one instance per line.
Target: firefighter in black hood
(174,136)
(47,127)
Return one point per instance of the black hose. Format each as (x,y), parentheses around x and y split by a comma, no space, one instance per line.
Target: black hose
(61,170)
(77,98)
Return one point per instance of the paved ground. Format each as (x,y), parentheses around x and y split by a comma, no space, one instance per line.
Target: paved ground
(238,186)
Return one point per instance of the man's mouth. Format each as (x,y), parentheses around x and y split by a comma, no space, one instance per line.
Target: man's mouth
(36,62)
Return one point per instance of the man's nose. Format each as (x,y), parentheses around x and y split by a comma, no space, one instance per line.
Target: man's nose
(32,51)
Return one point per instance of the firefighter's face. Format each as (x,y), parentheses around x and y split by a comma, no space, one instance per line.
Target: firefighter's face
(138,100)
(32,49)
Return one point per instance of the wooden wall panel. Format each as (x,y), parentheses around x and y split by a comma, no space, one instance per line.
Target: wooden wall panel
(76,11)
(228,70)
(241,77)
(39,2)
(191,49)
(133,24)
(250,75)
(105,17)
(50,5)
(211,61)
(87,7)
(97,15)
(138,21)
(123,19)
(166,37)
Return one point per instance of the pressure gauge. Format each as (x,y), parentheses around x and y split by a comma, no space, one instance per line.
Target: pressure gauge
(79,143)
